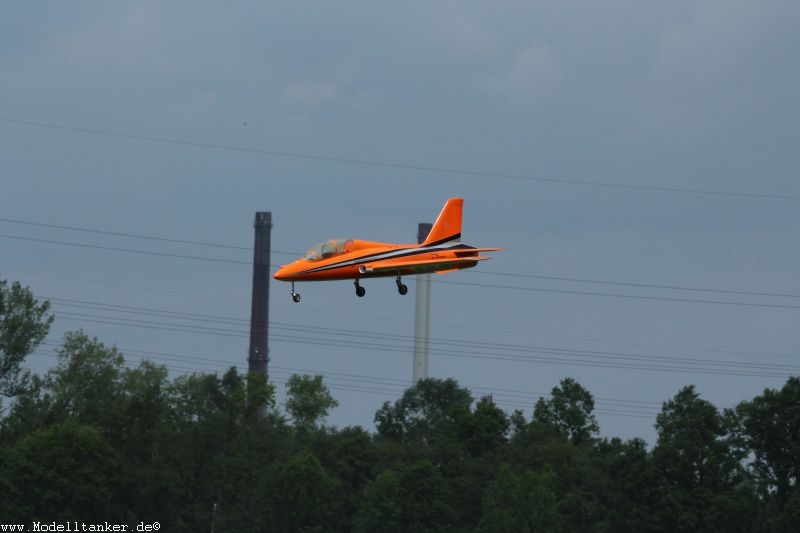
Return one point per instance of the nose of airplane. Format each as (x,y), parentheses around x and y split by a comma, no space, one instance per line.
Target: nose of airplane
(289,272)
(282,274)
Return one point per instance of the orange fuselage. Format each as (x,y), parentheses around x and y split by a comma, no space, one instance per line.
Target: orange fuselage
(357,259)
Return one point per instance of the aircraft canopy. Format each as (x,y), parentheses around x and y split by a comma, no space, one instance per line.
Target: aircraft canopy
(328,249)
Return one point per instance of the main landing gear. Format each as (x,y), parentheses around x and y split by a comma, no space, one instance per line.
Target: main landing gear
(360,291)
(295,295)
(401,288)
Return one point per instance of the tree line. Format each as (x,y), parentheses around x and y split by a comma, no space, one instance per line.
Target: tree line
(97,439)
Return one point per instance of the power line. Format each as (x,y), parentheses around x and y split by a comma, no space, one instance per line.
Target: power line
(366,390)
(403,166)
(382,386)
(468,343)
(631,284)
(126,250)
(380,389)
(398,382)
(438,324)
(616,295)
(119,234)
(465,283)
(587,359)
(136,236)
(125,285)
(477,272)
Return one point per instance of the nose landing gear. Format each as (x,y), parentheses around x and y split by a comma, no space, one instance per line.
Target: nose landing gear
(295,295)
(360,291)
(401,288)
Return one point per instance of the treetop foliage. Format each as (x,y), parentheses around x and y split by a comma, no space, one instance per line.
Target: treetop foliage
(96,438)
(308,401)
(24,323)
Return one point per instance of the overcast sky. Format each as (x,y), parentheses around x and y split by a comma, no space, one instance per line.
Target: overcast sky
(684,95)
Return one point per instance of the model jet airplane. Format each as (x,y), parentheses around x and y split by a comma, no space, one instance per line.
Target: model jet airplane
(338,259)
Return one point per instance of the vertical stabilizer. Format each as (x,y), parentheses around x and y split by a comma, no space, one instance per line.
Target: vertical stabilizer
(447,228)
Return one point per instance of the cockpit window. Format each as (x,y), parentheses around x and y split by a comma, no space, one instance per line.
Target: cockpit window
(327,249)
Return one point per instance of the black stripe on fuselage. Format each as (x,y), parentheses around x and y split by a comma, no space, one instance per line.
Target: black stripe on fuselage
(392,254)
(440,242)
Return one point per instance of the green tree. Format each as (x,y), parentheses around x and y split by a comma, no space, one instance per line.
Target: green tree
(411,499)
(467,447)
(770,427)
(423,410)
(141,431)
(521,502)
(259,392)
(351,456)
(64,472)
(628,486)
(789,518)
(85,385)
(24,323)
(207,414)
(241,472)
(144,408)
(87,382)
(90,387)
(570,411)
(485,429)
(433,421)
(704,486)
(298,495)
(308,401)
(580,478)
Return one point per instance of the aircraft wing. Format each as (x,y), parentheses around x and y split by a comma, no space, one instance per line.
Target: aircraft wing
(419,267)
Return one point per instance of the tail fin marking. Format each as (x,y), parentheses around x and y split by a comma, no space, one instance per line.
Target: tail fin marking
(447,228)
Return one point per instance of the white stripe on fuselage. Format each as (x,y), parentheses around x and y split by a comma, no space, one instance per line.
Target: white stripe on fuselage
(382,256)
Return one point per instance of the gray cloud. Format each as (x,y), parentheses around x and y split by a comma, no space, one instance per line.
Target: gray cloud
(686,94)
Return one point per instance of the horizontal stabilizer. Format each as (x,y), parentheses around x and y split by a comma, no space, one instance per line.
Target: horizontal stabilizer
(464,253)
(419,267)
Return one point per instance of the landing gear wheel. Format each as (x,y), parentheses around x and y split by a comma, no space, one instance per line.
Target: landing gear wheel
(360,291)
(296,297)
(401,288)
